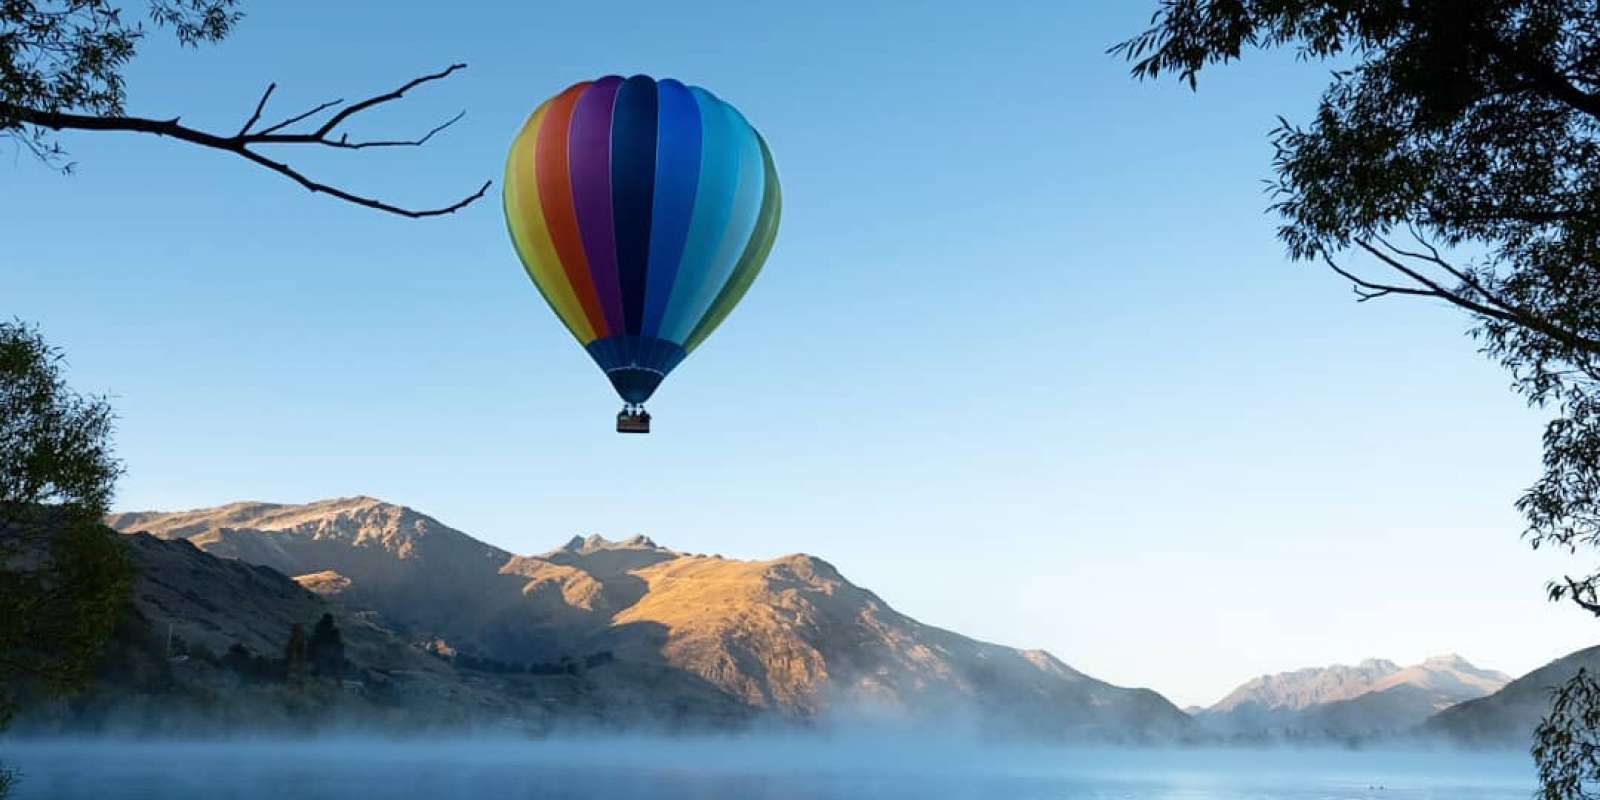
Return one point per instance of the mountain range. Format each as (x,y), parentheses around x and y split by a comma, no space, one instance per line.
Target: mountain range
(790,636)
(1374,697)
(616,631)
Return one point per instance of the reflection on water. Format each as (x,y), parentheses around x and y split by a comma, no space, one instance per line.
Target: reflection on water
(771,768)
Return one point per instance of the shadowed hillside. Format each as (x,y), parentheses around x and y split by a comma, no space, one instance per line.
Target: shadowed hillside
(1509,716)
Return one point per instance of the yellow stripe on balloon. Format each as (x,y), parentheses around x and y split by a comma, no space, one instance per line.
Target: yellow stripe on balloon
(532,236)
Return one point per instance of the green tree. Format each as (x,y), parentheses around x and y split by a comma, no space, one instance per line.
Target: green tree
(54,443)
(249,666)
(55,622)
(57,474)
(326,649)
(294,653)
(1453,126)
(62,66)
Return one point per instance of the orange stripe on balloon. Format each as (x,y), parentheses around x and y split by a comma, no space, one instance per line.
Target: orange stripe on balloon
(555,195)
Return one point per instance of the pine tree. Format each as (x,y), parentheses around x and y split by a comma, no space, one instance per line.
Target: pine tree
(326,649)
(294,653)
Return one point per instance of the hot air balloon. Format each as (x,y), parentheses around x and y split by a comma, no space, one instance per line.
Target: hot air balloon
(643,210)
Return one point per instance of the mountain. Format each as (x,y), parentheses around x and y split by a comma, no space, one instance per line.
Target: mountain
(789,635)
(1509,715)
(1374,697)
(383,552)
(1300,689)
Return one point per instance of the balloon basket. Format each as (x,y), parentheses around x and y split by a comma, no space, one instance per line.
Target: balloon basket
(633,419)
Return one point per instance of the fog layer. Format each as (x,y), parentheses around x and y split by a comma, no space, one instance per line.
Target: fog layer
(791,767)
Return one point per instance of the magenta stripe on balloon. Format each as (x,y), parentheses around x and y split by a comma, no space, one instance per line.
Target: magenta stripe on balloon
(589,154)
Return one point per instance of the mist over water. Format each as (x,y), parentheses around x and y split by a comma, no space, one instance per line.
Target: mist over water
(771,767)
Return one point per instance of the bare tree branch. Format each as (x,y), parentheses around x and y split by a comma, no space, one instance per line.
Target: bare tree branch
(1427,287)
(334,191)
(1367,290)
(356,108)
(344,142)
(240,143)
(1466,278)
(256,115)
(298,117)
(1582,593)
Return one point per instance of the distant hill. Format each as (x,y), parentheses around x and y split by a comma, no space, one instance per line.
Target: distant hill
(1509,715)
(1375,697)
(790,635)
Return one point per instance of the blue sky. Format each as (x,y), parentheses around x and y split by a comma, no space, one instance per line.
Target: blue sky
(1026,360)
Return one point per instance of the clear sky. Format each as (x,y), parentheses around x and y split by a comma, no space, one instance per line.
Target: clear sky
(1026,360)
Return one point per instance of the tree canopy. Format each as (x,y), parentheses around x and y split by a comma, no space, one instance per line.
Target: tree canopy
(69,56)
(55,444)
(325,649)
(1450,127)
(57,473)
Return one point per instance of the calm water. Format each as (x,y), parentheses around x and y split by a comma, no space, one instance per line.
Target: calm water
(744,769)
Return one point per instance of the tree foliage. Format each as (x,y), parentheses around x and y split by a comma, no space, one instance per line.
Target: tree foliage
(68,55)
(294,653)
(322,655)
(251,666)
(54,443)
(57,473)
(1567,743)
(1448,126)
(325,650)
(62,66)
(55,622)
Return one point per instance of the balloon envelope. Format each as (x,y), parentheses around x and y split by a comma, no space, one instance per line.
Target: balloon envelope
(643,210)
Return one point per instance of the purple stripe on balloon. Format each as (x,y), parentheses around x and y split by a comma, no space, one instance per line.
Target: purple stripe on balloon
(589,157)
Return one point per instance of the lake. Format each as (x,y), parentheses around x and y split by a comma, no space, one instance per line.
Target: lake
(750,768)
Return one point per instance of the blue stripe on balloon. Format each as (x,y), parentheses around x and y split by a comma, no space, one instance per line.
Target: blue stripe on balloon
(744,210)
(633,173)
(718,182)
(676,180)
